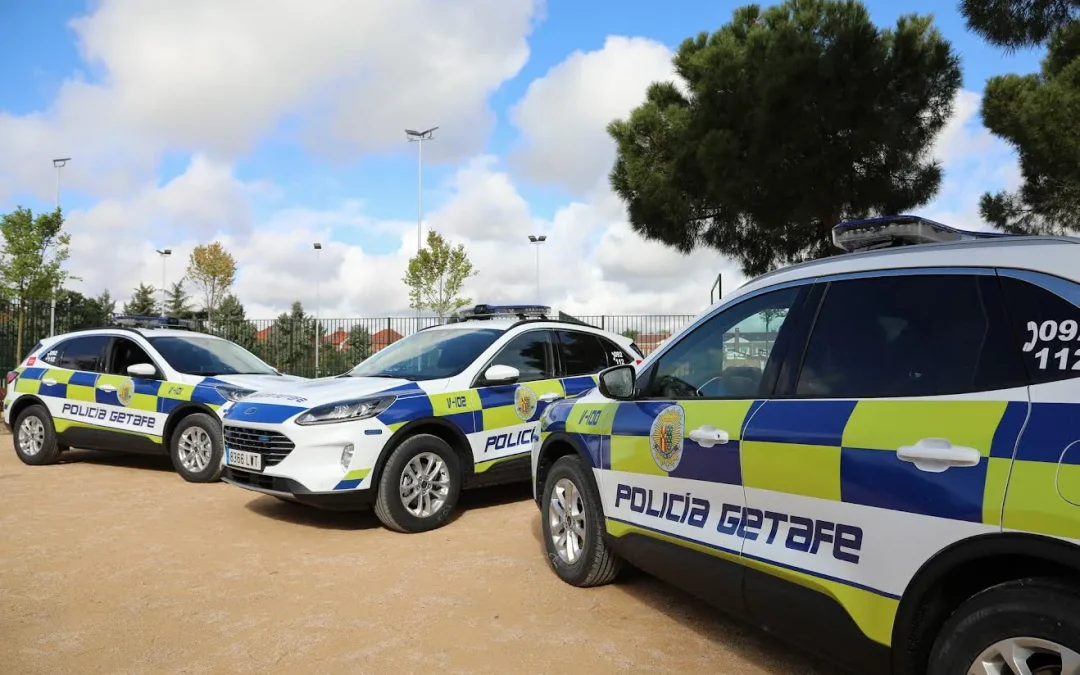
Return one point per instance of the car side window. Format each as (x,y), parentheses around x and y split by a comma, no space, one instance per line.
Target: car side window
(530,353)
(126,353)
(910,335)
(726,356)
(85,353)
(616,356)
(1047,329)
(582,353)
(52,355)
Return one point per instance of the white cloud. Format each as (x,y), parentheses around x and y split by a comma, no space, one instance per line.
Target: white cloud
(564,114)
(216,77)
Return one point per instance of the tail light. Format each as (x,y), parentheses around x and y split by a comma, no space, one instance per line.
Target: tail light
(11,376)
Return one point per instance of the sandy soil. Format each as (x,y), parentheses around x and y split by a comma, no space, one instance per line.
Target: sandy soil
(113,564)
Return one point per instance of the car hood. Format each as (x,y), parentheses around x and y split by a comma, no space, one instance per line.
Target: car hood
(259,382)
(284,402)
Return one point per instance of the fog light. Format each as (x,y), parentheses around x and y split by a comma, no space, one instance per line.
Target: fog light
(346,456)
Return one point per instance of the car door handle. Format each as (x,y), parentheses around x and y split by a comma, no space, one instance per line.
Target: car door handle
(934,455)
(549,397)
(48,380)
(107,387)
(708,436)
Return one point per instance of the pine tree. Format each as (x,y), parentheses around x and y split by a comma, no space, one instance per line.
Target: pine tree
(142,302)
(177,302)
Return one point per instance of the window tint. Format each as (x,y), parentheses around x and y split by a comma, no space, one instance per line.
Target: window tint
(84,353)
(616,355)
(726,356)
(52,355)
(530,353)
(921,335)
(126,353)
(1047,329)
(582,353)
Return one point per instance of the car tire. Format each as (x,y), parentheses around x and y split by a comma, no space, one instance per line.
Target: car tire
(418,452)
(596,564)
(196,448)
(1044,610)
(34,436)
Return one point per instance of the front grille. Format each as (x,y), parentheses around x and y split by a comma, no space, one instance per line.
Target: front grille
(259,480)
(272,445)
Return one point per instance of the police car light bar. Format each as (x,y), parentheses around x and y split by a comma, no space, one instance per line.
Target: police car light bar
(901,230)
(133,321)
(497,311)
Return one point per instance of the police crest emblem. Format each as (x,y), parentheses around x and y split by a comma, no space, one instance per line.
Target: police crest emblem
(524,403)
(666,437)
(125,392)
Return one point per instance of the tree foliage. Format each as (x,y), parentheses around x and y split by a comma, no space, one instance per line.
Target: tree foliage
(290,344)
(1018,23)
(177,302)
(143,302)
(32,259)
(1037,114)
(436,275)
(232,324)
(212,270)
(792,119)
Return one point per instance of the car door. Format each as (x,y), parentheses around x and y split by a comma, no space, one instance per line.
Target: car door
(890,440)
(510,413)
(69,388)
(671,480)
(582,356)
(134,402)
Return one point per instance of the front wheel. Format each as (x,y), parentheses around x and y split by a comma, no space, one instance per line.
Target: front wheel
(573,525)
(1025,627)
(419,486)
(197,448)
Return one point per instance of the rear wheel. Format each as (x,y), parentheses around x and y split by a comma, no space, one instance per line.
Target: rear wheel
(573,525)
(196,448)
(1025,627)
(35,436)
(419,486)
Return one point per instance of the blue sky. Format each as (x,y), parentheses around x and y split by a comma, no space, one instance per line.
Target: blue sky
(41,53)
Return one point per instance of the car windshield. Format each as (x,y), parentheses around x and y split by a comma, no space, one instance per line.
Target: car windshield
(208,356)
(429,354)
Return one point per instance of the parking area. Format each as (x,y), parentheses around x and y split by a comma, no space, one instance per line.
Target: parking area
(113,564)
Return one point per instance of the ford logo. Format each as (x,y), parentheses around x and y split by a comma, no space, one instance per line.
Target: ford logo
(250,410)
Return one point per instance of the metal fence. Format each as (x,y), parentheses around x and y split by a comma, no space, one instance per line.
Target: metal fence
(288,343)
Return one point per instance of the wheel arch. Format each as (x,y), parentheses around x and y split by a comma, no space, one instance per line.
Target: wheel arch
(22,403)
(444,429)
(185,409)
(960,571)
(557,445)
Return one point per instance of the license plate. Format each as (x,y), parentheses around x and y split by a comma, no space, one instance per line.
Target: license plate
(245,460)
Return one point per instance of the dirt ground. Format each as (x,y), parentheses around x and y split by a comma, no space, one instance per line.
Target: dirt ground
(113,564)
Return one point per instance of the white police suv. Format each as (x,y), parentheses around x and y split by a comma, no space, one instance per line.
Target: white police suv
(146,385)
(875,455)
(449,407)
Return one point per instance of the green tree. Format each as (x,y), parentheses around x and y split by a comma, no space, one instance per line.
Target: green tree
(1018,23)
(79,311)
(232,323)
(631,334)
(31,263)
(177,302)
(143,302)
(212,270)
(1037,114)
(794,118)
(358,344)
(290,346)
(436,275)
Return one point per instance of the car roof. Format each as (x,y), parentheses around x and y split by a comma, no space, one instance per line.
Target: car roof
(505,324)
(121,330)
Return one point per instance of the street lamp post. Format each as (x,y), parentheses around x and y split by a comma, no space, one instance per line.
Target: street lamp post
(419,137)
(318,247)
(537,240)
(164,253)
(59,163)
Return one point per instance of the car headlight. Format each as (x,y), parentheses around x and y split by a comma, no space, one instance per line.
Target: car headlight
(346,411)
(233,393)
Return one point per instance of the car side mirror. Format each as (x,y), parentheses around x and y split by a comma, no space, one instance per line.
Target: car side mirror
(145,371)
(501,375)
(617,382)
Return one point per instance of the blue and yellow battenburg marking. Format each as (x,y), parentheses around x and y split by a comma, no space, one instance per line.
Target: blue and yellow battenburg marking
(470,410)
(845,451)
(87,403)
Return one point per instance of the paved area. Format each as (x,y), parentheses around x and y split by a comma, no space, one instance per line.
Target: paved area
(113,564)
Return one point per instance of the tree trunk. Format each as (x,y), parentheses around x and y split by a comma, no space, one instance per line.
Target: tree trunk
(19,337)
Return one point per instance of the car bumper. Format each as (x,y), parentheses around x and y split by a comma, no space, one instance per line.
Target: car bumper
(291,490)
